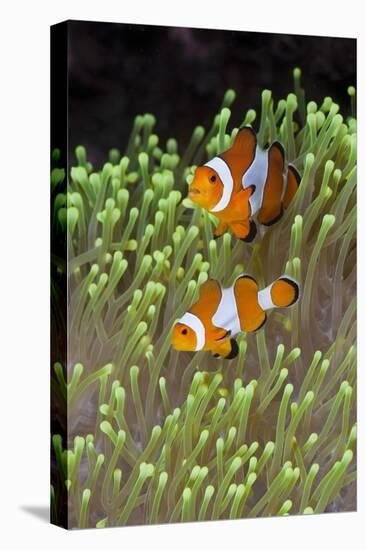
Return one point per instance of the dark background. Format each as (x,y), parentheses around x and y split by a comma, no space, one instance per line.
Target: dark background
(117,71)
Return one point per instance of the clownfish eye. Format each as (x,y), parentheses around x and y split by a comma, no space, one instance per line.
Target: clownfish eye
(212,179)
(184,331)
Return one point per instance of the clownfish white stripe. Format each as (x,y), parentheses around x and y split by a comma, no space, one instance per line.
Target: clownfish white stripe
(193,322)
(224,173)
(265,298)
(257,175)
(226,315)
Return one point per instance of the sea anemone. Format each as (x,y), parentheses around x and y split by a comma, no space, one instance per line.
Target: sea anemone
(144,434)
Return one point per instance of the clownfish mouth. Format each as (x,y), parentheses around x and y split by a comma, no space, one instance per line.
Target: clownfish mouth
(194,191)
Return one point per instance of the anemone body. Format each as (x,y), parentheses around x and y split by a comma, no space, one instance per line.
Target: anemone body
(154,435)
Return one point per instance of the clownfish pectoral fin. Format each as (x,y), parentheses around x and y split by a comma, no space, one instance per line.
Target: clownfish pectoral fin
(241,200)
(271,210)
(293,182)
(245,193)
(228,349)
(217,334)
(250,188)
(223,334)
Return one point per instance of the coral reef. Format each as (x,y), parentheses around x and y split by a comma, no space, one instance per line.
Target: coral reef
(155,435)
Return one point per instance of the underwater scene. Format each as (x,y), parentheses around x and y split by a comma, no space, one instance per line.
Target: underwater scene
(204,307)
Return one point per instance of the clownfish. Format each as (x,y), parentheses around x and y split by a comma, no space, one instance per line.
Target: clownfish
(221,313)
(245,181)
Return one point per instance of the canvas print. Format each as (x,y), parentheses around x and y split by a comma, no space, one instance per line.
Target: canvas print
(203,274)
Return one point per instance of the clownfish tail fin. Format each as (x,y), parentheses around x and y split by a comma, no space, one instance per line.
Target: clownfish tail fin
(284,292)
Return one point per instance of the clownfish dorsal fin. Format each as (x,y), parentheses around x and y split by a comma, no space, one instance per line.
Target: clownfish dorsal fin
(251,315)
(211,286)
(209,298)
(245,143)
(247,192)
(244,139)
(242,152)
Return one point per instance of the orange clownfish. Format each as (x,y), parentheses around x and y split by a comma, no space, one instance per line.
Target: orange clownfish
(221,313)
(245,181)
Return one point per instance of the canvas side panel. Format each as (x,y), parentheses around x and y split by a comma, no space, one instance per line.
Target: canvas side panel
(59,170)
